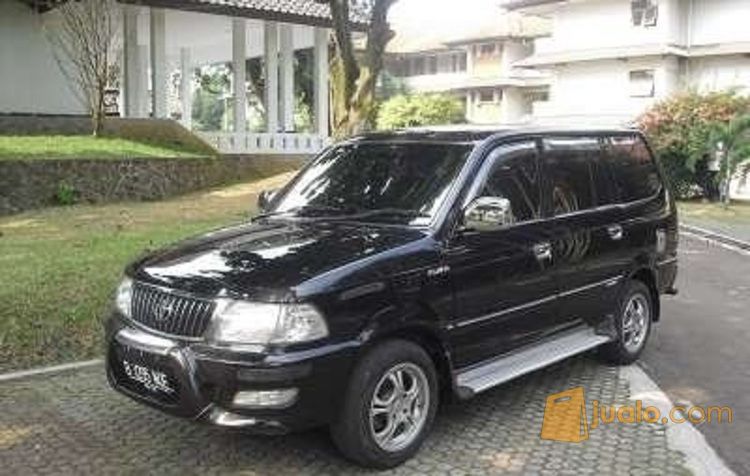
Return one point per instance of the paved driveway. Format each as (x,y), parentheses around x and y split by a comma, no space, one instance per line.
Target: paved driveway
(73,423)
(701,352)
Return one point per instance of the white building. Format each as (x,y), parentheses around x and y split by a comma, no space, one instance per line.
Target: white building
(611,59)
(161,44)
(473,60)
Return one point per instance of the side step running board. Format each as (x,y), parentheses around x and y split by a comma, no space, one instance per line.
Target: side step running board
(526,360)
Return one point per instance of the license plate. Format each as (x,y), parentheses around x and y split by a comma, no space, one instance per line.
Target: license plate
(152,379)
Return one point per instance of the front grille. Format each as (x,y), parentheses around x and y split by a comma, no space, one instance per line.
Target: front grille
(170,313)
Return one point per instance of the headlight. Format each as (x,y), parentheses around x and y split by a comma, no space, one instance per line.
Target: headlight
(241,322)
(123,296)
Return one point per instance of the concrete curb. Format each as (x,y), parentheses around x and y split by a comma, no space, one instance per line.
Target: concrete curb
(715,236)
(21,374)
(700,458)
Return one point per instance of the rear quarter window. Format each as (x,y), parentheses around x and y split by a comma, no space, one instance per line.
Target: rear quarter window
(633,171)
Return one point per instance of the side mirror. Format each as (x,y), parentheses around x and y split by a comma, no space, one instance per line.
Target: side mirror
(264,199)
(488,214)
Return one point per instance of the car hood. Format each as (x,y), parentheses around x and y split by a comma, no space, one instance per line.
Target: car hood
(273,260)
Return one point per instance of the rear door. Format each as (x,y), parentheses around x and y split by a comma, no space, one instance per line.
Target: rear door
(587,253)
(504,292)
(644,208)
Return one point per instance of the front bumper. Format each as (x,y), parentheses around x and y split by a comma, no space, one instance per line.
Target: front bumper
(204,380)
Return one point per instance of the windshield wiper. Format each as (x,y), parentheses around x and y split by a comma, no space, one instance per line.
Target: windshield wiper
(386,211)
(301,209)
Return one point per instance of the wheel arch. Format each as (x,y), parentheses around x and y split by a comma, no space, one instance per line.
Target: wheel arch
(648,277)
(429,339)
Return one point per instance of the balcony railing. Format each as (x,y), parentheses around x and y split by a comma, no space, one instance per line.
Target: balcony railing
(265,143)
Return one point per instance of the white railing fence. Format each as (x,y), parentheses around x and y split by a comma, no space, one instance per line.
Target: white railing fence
(265,143)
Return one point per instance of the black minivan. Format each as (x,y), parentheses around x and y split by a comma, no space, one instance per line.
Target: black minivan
(398,269)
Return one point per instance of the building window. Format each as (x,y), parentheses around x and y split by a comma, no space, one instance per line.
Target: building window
(418,66)
(458,62)
(432,64)
(487,49)
(487,96)
(642,83)
(644,12)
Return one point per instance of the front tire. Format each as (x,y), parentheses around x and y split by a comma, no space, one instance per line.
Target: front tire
(633,322)
(389,407)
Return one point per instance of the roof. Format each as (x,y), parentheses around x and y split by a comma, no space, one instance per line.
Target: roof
(477,133)
(475,26)
(305,12)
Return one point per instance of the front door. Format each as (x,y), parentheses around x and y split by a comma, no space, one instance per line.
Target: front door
(504,292)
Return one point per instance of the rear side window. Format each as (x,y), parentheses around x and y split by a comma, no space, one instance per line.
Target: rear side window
(571,168)
(633,169)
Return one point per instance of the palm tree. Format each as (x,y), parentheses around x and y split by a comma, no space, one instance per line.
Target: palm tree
(732,139)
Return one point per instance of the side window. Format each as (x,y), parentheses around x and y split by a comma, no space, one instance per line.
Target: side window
(571,168)
(513,172)
(634,171)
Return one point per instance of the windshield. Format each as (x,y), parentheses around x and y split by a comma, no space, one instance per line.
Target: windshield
(402,183)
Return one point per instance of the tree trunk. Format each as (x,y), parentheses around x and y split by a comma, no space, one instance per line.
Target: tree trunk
(354,77)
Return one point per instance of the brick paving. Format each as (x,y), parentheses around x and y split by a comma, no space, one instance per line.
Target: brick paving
(73,423)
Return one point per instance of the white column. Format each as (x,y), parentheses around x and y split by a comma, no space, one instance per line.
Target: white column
(131,62)
(320,81)
(271,47)
(158,63)
(470,106)
(286,71)
(143,100)
(239,55)
(186,89)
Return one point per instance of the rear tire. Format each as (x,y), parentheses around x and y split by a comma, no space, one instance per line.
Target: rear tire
(389,407)
(633,322)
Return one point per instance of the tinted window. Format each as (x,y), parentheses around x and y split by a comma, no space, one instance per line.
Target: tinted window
(633,169)
(512,171)
(377,181)
(571,168)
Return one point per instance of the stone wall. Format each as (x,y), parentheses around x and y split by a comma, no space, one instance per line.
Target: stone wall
(27,184)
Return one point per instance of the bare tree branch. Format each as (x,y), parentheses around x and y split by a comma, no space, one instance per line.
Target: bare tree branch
(83,40)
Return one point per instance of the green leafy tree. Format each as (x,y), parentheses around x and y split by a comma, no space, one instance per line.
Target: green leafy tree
(733,139)
(420,110)
(679,129)
(209,105)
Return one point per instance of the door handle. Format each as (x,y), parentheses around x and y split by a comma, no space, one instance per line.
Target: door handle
(543,251)
(615,232)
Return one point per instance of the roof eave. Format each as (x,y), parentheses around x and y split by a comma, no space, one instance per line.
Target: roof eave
(246,12)
(522,4)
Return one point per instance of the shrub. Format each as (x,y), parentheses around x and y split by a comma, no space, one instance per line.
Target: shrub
(419,110)
(66,194)
(679,129)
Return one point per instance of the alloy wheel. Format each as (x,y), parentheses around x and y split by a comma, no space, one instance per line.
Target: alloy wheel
(399,407)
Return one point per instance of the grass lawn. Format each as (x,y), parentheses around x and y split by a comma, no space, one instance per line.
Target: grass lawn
(57,146)
(59,266)
(734,221)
